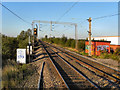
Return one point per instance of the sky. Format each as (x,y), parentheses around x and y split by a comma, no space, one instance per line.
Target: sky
(52,11)
(60,0)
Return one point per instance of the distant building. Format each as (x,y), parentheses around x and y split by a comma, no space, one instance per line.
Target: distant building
(115,41)
(97,46)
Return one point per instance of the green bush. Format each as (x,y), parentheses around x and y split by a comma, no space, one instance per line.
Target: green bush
(73,43)
(83,53)
(114,57)
(81,45)
(9,46)
(13,73)
(95,56)
(68,43)
(106,55)
(64,42)
(117,51)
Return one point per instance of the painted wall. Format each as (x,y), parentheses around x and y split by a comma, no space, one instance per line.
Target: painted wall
(97,47)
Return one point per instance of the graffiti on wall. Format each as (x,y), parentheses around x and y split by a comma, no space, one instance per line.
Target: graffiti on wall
(86,47)
(102,47)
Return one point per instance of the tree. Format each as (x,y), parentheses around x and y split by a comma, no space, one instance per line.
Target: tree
(63,40)
(68,43)
(9,47)
(81,45)
(46,37)
(56,40)
(29,32)
(10,44)
(73,43)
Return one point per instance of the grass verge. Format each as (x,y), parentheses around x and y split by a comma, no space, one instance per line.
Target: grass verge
(13,74)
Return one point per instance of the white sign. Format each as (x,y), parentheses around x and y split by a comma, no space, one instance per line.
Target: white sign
(28,50)
(21,55)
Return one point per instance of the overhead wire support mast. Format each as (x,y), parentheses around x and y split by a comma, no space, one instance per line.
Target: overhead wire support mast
(89,32)
(67,23)
(76,37)
(50,29)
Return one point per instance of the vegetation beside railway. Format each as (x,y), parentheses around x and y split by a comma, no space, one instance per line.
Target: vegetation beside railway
(105,55)
(70,44)
(13,73)
(10,44)
(65,42)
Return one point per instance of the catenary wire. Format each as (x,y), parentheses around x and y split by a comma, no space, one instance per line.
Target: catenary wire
(15,14)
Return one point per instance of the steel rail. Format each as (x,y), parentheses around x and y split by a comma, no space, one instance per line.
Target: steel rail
(91,71)
(83,57)
(116,84)
(94,61)
(91,66)
(55,66)
(40,78)
(95,85)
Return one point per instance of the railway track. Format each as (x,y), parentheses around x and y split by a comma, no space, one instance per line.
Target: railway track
(48,78)
(73,78)
(40,83)
(111,75)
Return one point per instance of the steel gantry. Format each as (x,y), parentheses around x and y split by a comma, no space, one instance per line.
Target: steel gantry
(55,22)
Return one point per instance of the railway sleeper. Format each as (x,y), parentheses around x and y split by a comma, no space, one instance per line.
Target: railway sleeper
(115,79)
(116,75)
(78,86)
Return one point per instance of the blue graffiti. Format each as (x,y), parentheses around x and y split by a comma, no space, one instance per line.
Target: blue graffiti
(102,47)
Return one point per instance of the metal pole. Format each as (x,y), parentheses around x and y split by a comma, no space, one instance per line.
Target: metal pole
(37,32)
(29,48)
(33,34)
(50,29)
(89,20)
(39,29)
(76,39)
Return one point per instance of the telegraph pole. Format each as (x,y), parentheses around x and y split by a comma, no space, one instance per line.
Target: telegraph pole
(89,32)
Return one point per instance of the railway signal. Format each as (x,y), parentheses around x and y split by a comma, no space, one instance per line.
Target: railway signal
(35,31)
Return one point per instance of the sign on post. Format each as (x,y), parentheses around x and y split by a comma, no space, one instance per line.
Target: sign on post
(21,56)
(28,50)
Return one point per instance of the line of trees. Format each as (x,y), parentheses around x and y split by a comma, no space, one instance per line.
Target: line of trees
(10,44)
(65,42)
